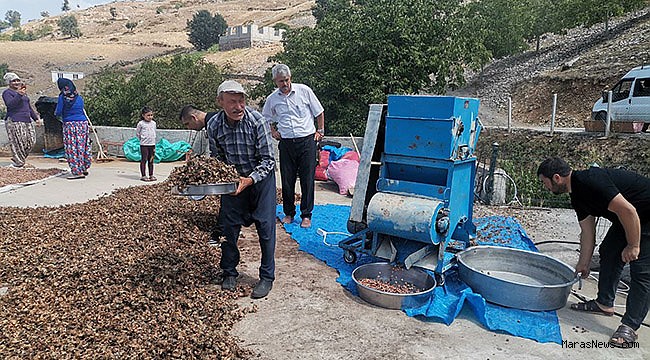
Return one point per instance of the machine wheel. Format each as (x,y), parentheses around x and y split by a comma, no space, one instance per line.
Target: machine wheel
(350,257)
(601,115)
(440,279)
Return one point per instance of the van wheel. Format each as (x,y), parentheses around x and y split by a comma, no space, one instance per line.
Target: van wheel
(601,115)
(645,127)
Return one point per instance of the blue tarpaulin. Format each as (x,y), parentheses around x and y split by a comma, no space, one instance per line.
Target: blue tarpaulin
(447,301)
(54,154)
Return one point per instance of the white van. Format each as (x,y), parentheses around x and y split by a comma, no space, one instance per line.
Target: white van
(630,98)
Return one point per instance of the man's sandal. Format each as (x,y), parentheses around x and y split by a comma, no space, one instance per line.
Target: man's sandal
(623,337)
(591,307)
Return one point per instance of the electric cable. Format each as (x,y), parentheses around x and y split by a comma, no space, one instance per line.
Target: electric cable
(556,242)
(324,234)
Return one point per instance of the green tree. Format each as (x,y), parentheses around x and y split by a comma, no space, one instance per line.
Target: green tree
(131,25)
(68,26)
(4,25)
(589,12)
(13,18)
(65,6)
(500,24)
(21,35)
(204,29)
(45,14)
(165,84)
(281,26)
(358,55)
(324,7)
(544,16)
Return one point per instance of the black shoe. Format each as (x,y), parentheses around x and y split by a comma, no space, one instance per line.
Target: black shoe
(214,242)
(229,283)
(262,289)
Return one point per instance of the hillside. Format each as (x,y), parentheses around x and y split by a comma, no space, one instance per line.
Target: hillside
(160,30)
(577,66)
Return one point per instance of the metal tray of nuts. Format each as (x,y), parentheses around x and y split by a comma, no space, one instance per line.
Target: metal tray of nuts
(206,189)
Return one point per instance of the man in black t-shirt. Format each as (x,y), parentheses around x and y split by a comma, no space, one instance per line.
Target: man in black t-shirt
(622,197)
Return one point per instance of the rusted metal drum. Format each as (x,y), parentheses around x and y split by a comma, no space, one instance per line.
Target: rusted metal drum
(404,216)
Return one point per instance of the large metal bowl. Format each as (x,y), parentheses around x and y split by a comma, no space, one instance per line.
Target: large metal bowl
(516,278)
(395,275)
(198,192)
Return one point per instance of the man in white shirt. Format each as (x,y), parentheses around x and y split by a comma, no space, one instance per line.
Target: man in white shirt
(291,110)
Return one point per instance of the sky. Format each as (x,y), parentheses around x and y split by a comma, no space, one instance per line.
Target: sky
(31,9)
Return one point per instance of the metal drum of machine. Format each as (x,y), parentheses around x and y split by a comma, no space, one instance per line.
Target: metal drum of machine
(423,194)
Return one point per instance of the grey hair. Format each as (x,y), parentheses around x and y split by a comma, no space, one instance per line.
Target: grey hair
(280,70)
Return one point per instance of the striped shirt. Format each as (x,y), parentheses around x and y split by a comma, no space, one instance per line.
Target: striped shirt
(247,145)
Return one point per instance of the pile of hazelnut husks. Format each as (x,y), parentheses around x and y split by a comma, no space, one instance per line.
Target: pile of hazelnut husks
(9,176)
(125,276)
(203,170)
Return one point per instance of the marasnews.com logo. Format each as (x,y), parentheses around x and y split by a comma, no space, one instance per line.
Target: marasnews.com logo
(594,344)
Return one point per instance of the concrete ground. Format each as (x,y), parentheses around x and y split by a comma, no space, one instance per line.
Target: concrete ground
(354,329)
(103,178)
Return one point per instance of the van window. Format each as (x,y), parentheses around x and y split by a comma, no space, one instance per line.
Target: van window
(622,90)
(642,87)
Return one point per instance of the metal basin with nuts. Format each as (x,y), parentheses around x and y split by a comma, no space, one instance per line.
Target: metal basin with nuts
(393,287)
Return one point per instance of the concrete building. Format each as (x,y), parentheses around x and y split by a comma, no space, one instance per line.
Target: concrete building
(246,36)
(72,75)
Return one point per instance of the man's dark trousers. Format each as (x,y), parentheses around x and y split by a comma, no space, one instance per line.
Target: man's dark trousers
(611,267)
(298,158)
(254,205)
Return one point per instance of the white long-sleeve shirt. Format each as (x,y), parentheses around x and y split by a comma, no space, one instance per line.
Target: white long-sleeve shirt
(146,132)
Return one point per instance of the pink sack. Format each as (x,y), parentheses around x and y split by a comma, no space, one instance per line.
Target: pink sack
(352,155)
(344,173)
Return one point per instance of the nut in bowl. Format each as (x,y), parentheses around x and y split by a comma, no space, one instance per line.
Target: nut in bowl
(204,176)
(393,287)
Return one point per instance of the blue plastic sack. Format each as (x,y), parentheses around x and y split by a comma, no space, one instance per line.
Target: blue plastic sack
(336,153)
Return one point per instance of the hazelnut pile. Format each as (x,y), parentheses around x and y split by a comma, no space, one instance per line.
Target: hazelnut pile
(393,287)
(203,170)
(126,276)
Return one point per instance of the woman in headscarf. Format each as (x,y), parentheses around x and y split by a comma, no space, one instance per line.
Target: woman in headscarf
(20,128)
(70,108)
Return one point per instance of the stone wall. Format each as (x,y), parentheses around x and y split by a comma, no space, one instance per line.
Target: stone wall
(112,136)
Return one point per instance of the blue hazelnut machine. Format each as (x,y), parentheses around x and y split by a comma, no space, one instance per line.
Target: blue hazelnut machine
(414,192)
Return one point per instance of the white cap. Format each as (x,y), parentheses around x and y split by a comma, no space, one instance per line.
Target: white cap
(9,77)
(231,86)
